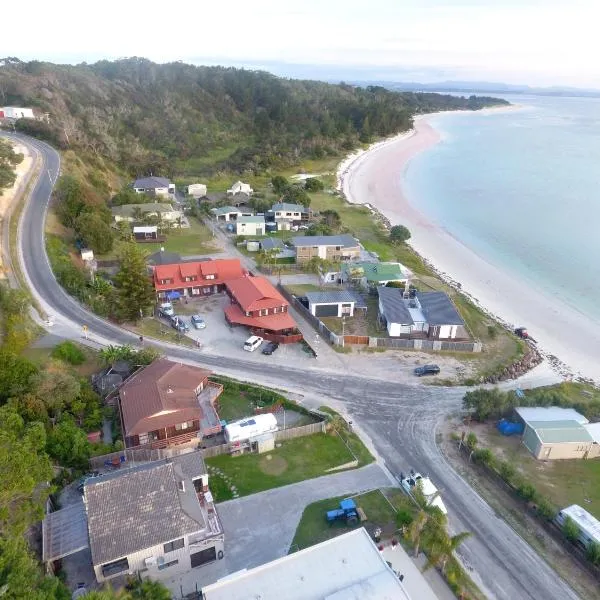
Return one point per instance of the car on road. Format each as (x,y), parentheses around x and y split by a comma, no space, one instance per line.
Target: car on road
(252,343)
(427,370)
(179,324)
(198,322)
(270,348)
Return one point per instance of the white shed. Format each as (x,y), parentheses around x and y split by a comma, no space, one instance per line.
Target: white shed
(240,431)
(197,190)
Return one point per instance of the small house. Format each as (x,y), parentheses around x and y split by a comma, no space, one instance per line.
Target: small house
(292,213)
(152,210)
(253,225)
(197,190)
(225,214)
(154,186)
(143,234)
(371,274)
(328,247)
(240,188)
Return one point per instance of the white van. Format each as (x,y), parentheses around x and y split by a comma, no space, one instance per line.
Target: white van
(252,343)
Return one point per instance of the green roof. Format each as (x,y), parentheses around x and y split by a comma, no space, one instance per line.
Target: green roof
(560,431)
(376,271)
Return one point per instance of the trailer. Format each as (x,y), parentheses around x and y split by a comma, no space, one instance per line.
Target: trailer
(346,512)
(589,526)
(240,431)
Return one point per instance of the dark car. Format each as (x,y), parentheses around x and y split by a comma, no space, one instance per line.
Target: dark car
(179,324)
(427,370)
(269,348)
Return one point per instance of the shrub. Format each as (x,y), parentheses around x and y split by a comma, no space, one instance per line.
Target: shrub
(526,491)
(69,352)
(545,509)
(483,456)
(471,441)
(592,553)
(492,332)
(570,530)
(506,471)
(403,518)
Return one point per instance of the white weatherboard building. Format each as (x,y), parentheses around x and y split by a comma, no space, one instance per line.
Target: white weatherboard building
(347,567)
(240,187)
(197,190)
(240,431)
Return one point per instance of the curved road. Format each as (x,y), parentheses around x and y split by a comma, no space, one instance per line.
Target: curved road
(401,420)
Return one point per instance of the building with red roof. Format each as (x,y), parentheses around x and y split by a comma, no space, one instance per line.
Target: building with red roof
(256,304)
(196,278)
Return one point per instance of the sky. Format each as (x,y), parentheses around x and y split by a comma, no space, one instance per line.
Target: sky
(535,42)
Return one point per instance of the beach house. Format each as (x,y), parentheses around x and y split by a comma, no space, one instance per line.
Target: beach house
(327,247)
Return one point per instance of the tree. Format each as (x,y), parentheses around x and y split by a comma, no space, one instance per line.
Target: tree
(15,374)
(483,403)
(296,194)
(94,232)
(70,199)
(570,529)
(592,553)
(68,444)
(442,548)
(135,294)
(148,590)
(399,234)
(312,184)
(112,354)
(9,159)
(331,218)
(56,386)
(280,184)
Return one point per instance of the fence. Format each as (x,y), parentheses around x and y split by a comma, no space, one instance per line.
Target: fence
(133,455)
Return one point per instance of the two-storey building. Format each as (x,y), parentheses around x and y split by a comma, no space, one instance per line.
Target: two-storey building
(327,247)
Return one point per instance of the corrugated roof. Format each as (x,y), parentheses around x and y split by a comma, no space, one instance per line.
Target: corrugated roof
(330,297)
(255,293)
(376,272)
(549,413)
(393,305)
(224,210)
(151,183)
(345,240)
(439,309)
(285,206)
(594,430)
(139,508)
(560,431)
(161,395)
(252,219)
(272,244)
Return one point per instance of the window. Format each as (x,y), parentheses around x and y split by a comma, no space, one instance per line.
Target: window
(206,290)
(203,557)
(186,425)
(167,565)
(117,566)
(165,281)
(338,248)
(174,545)
(275,310)
(247,313)
(211,276)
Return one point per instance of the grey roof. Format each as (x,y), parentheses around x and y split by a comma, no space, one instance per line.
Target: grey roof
(139,508)
(191,463)
(126,210)
(549,413)
(288,207)
(224,210)
(64,532)
(358,298)
(330,297)
(272,244)
(550,432)
(438,309)
(150,183)
(344,240)
(394,308)
(163,257)
(251,219)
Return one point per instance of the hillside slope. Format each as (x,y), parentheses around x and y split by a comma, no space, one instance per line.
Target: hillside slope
(182,119)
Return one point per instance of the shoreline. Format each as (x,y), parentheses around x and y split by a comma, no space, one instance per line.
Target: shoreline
(375,177)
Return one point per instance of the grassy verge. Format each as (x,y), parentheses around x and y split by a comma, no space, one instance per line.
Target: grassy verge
(296,460)
(42,356)
(154,328)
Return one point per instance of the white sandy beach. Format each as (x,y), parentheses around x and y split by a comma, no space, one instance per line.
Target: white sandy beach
(375,177)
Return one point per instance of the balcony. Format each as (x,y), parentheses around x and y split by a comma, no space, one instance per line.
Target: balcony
(210,424)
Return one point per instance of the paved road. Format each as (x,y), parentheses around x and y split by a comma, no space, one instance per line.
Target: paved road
(400,419)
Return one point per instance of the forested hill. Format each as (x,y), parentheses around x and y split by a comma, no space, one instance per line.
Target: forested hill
(183,119)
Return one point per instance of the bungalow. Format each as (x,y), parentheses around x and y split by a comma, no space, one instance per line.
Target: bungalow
(199,278)
(429,315)
(294,213)
(253,225)
(143,234)
(168,403)
(228,213)
(276,248)
(372,274)
(154,186)
(197,190)
(331,303)
(256,304)
(137,212)
(328,247)
(155,520)
(240,188)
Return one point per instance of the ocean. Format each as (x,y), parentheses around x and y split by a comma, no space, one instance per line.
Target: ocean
(521,188)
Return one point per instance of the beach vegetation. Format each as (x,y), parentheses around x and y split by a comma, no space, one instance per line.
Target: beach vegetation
(399,234)
(9,159)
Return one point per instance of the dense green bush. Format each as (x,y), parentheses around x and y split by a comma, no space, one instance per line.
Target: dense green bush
(69,352)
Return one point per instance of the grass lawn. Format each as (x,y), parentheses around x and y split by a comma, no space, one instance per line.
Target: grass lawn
(296,460)
(314,528)
(300,289)
(151,327)
(41,356)
(197,239)
(563,482)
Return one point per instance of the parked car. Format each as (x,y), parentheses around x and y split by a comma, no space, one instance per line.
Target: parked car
(427,370)
(179,324)
(270,348)
(252,343)
(303,227)
(166,310)
(198,322)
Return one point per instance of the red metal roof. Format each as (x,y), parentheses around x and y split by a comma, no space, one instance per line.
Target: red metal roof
(255,293)
(223,269)
(276,322)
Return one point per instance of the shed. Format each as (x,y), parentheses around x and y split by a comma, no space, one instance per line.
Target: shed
(252,245)
(197,190)
(335,303)
(145,233)
(553,440)
(263,443)
(549,413)
(250,225)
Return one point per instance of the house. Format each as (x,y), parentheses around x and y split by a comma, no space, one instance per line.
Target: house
(276,248)
(153,521)
(154,186)
(256,304)
(328,247)
(348,566)
(293,213)
(168,403)
(16,112)
(197,190)
(371,274)
(428,315)
(162,257)
(228,213)
(336,303)
(240,188)
(254,225)
(197,278)
(137,212)
(553,432)
(147,233)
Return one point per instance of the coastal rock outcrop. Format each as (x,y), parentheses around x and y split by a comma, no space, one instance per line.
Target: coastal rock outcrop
(528,361)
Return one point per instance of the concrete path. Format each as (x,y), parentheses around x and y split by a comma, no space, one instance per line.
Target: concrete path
(260,528)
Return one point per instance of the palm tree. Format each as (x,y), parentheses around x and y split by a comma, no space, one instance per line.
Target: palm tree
(111,354)
(443,547)
(429,518)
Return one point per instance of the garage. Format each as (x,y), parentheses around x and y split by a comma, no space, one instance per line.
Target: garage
(203,557)
(334,303)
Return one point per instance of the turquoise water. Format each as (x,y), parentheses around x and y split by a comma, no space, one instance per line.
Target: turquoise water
(522,189)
